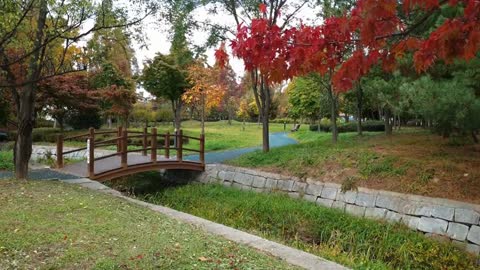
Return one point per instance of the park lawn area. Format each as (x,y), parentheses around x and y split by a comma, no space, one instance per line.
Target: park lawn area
(411,161)
(6,160)
(352,241)
(219,136)
(52,225)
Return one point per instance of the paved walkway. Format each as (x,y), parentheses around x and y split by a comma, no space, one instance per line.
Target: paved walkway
(293,256)
(276,140)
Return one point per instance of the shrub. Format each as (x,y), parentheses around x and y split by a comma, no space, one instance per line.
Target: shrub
(39,135)
(85,120)
(351,127)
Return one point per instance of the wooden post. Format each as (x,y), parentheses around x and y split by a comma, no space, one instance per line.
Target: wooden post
(144,142)
(180,145)
(91,153)
(119,140)
(124,149)
(202,148)
(60,151)
(154,145)
(167,145)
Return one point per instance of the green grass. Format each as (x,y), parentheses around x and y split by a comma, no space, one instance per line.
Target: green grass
(6,160)
(352,241)
(50,225)
(219,136)
(410,161)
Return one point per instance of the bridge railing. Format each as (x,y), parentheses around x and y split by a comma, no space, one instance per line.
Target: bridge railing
(123,138)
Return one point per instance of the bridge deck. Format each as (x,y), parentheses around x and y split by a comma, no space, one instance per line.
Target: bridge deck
(111,167)
(124,162)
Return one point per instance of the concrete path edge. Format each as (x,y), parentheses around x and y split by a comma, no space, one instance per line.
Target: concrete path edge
(293,256)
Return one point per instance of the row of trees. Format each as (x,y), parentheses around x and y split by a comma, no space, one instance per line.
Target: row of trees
(355,40)
(41,40)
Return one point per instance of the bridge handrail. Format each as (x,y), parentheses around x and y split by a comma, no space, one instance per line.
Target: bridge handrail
(122,142)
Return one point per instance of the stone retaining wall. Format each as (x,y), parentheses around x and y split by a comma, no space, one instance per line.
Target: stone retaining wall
(439,218)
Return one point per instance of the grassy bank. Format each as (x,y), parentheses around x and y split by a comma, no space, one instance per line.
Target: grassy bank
(360,243)
(50,225)
(410,161)
(6,160)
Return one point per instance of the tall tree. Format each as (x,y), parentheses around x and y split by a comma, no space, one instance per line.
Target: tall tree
(63,95)
(206,92)
(163,78)
(28,31)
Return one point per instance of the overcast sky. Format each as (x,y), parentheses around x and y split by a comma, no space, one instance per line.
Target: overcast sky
(157,35)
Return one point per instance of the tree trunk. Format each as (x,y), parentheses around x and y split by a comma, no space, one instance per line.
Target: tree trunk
(359,109)
(26,101)
(388,124)
(333,112)
(265,117)
(23,144)
(203,114)
(474,137)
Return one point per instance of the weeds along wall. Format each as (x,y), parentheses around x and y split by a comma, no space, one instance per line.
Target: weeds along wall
(438,218)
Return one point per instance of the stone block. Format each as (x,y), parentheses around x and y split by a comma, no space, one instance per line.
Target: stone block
(432,225)
(474,235)
(259,182)
(227,184)
(294,195)
(393,216)
(314,189)
(257,190)
(285,185)
(244,179)
(339,205)
(310,198)
(365,199)
(457,231)
(423,210)
(299,187)
(473,249)
(348,197)
(466,216)
(386,202)
(237,185)
(410,221)
(355,210)
(324,202)
(375,213)
(443,212)
(270,184)
(329,193)
(229,176)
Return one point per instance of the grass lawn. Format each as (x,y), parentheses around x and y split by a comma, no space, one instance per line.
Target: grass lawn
(6,160)
(410,161)
(50,225)
(219,135)
(352,241)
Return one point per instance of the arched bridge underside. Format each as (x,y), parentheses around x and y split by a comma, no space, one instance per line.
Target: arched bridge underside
(136,152)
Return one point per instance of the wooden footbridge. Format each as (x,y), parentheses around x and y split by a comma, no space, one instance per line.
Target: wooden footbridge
(148,151)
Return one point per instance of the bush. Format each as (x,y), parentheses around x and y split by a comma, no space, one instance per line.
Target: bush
(85,120)
(43,123)
(39,135)
(283,120)
(351,127)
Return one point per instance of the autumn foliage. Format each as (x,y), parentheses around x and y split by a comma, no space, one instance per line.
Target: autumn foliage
(371,32)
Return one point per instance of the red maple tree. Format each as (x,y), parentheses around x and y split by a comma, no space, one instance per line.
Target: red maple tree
(349,45)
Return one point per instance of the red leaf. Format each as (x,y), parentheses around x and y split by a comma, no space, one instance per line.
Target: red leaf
(263,8)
